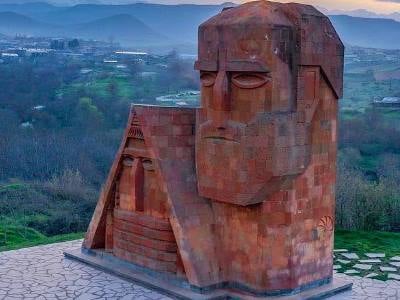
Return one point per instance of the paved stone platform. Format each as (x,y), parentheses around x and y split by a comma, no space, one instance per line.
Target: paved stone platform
(43,273)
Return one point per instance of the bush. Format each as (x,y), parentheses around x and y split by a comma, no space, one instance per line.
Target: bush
(63,204)
(362,204)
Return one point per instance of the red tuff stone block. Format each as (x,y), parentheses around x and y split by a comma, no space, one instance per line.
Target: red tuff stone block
(241,190)
(144,241)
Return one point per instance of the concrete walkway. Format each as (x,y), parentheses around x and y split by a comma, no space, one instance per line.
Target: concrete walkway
(43,273)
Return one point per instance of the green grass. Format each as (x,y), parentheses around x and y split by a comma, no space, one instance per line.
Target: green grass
(100,86)
(364,242)
(16,237)
(11,187)
(361,89)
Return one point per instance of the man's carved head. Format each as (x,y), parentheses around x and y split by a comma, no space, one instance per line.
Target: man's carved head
(252,133)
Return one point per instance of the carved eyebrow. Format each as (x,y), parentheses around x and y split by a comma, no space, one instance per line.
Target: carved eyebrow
(247,66)
(233,66)
(211,66)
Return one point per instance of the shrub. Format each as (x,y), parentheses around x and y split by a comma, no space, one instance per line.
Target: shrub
(63,204)
(362,204)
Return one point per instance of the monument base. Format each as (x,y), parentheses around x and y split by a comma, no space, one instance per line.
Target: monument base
(181,289)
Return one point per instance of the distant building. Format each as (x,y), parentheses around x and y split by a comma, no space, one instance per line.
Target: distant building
(135,53)
(57,44)
(36,52)
(148,74)
(39,107)
(27,125)
(387,102)
(73,44)
(9,55)
(85,71)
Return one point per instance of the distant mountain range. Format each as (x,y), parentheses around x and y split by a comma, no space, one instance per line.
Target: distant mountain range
(368,32)
(12,23)
(143,24)
(124,27)
(362,13)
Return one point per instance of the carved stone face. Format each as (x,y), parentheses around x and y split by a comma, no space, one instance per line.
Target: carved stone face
(248,118)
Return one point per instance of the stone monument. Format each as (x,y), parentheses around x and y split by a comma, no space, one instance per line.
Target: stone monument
(237,197)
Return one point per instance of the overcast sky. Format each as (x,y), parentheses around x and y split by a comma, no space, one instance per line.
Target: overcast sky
(372,5)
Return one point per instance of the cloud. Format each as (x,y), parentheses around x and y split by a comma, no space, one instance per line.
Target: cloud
(391,1)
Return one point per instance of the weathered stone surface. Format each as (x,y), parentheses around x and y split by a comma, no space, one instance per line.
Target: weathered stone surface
(43,273)
(394,276)
(344,261)
(240,190)
(371,275)
(387,269)
(362,266)
(71,280)
(395,258)
(337,267)
(370,289)
(395,263)
(350,255)
(375,255)
(351,271)
(370,261)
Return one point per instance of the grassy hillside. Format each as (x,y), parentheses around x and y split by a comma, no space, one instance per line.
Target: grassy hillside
(17,237)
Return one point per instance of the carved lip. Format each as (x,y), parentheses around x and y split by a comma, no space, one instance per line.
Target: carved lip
(229,132)
(221,138)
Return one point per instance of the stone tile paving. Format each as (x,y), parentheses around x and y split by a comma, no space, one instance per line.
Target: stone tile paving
(376,265)
(43,273)
(369,289)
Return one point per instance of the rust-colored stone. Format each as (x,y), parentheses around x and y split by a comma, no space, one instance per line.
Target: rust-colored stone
(240,191)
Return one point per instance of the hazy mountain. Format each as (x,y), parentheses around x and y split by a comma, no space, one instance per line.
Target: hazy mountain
(17,1)
(368,32)
(362,13)
(28,8)
(178,22)
(12,23)
(150,24)
(122,28)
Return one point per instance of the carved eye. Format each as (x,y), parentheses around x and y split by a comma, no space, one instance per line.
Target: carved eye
(127,162)
(249,81)
(147,164)
(207,79)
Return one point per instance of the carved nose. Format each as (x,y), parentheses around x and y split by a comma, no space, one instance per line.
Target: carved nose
(221,92)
